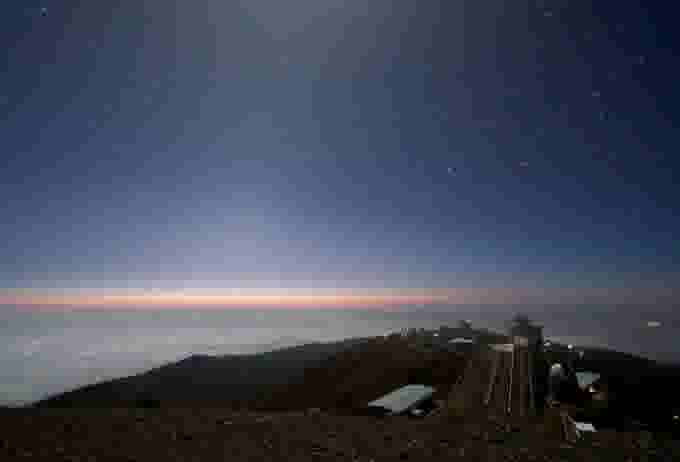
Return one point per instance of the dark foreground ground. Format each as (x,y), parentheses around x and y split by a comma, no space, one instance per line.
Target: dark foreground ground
(256,408)
(224,435)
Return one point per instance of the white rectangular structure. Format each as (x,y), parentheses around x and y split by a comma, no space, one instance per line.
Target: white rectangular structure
(403,399)
(584,427)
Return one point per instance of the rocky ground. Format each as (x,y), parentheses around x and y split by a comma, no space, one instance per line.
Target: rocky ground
(192,434)
(189,413)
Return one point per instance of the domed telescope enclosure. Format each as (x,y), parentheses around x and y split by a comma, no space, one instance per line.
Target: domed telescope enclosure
(557,378)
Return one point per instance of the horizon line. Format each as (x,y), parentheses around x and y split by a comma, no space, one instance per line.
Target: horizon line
(328,298)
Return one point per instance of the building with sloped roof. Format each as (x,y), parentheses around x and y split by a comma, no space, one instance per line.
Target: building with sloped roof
(586,380)
(461,344)
(522,327)
(403,400)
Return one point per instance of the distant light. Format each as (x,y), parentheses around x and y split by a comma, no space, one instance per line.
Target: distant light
(524,164)
(653,324)
(596,94)
(570,346)
(676,417)
(436,334)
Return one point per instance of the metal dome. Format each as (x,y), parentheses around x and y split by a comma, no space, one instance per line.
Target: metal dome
(557,380)
(557,371)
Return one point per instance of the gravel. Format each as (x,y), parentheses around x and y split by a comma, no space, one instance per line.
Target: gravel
(220,434)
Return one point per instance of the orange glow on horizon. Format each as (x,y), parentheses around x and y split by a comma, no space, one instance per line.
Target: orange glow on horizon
(272,300)
(326,299)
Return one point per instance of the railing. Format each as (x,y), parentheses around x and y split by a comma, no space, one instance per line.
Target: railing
(508,408)
(492,381)
(531,383)
(569,430)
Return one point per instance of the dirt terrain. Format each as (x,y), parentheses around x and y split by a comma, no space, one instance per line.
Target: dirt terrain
(312,416)
(221,434)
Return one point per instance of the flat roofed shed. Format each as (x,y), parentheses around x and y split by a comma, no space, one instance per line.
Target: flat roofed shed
(403,399)
(461,340)
(586,379)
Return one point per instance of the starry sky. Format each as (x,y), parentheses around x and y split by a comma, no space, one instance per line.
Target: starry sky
(263,147)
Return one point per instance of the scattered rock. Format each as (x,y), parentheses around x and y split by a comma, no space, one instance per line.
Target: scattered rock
(497,439)
(318,448)
(329,438)
(645,440)
(175,436)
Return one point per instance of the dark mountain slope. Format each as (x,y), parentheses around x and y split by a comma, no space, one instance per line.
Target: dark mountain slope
(352,378)
(224,380)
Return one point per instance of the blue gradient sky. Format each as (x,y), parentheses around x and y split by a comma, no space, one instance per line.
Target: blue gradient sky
(306,144)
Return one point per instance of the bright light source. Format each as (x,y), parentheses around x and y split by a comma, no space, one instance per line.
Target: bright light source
(570,346)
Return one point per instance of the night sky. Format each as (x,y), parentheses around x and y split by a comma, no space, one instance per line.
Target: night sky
(306,145)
